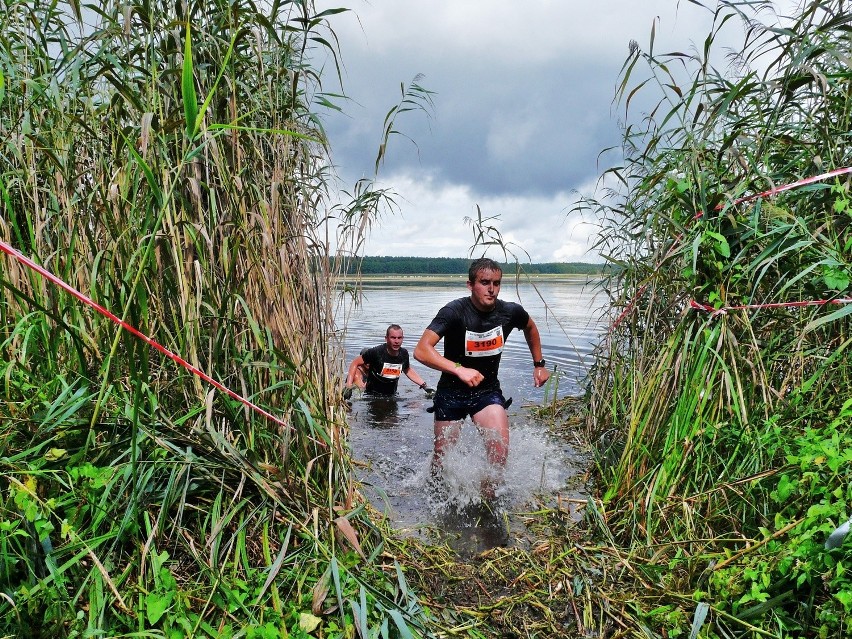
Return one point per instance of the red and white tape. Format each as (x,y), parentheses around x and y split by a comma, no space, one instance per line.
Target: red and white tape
(739,307)
(23,259)
(748,198)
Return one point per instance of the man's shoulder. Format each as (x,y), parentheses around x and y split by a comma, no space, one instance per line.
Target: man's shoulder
(451,309)
(516,313)
(372,350)
(511,307)
(452,314)
(458,304)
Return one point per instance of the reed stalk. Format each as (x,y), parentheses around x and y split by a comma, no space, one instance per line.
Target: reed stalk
(167,160)
(700,415)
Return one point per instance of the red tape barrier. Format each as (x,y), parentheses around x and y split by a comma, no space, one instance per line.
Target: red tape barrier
(793,185)
(723,310)
(107,313)
(747,198)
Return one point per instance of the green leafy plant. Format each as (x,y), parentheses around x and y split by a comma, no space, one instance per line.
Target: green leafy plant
(167,161)
(719,430)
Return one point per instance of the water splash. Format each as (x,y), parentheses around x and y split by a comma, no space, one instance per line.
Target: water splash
(536,466)
(397,454)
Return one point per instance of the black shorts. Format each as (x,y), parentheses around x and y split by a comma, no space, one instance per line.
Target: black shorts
(453,405)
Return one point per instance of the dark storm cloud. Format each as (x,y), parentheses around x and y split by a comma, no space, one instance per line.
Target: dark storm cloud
(522,108)
(536,131)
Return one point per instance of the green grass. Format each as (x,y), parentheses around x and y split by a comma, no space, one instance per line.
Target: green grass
(167,160)
(170,163)
(703,419)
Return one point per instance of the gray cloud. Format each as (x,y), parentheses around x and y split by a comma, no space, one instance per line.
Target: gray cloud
(502,130)
(522,109)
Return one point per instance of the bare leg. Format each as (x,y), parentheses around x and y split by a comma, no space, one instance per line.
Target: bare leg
(493,425)
(446,435)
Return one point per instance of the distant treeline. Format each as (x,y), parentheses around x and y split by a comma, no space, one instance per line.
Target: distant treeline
(378,265)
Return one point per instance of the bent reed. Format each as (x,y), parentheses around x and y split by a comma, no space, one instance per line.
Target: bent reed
(167,159)
(724,438)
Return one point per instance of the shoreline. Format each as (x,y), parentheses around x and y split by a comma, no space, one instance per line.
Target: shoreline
(574,278)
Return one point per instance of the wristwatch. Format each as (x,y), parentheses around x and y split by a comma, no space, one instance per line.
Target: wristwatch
(539,363)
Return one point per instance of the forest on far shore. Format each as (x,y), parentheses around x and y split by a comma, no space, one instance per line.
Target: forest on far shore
(383,265)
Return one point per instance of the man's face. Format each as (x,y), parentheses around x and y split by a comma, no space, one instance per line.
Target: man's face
(486,288)
(394,339)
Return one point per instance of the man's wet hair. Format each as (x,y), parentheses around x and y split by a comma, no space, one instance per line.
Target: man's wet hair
(392,327)
(482,264)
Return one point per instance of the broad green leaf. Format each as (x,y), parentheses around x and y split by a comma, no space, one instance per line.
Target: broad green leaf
(55,453)
(836,279)
(308,622)
(156,605)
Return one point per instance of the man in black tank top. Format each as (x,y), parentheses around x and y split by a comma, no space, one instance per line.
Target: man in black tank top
(474,330)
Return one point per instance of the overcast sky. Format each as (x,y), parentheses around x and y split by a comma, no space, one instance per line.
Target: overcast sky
(522,108)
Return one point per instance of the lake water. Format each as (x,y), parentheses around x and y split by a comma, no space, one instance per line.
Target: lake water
(391,440)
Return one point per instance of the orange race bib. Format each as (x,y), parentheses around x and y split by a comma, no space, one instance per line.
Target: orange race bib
(487,344)
(391,371)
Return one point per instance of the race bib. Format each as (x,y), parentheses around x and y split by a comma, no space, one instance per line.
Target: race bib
(392,371)
(487,344)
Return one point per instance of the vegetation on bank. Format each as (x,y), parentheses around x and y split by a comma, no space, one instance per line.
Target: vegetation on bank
(382,265)
(167,160)
(718,411)
(720,405)
(170,164)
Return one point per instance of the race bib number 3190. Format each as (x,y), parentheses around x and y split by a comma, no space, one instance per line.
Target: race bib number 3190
(485,344)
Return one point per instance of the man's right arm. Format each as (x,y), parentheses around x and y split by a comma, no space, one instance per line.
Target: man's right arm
(356,369)
(426,353)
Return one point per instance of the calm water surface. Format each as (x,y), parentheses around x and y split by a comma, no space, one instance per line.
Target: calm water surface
(391,440)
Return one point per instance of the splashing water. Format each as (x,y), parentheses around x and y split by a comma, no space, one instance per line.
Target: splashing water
(392,440)
(399,480)
(533,468)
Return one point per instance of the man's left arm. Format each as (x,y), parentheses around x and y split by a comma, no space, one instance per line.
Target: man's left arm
(414,376)
(531,334)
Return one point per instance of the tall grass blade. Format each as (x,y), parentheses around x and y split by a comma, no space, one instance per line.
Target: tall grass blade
(190,100)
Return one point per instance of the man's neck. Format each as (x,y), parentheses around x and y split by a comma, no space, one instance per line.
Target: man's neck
(480,308)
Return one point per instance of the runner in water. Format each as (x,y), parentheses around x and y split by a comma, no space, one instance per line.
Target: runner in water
(378,369)
(474,330)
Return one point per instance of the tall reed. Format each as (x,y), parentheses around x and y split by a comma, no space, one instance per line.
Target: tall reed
(168,160)
(702,416)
